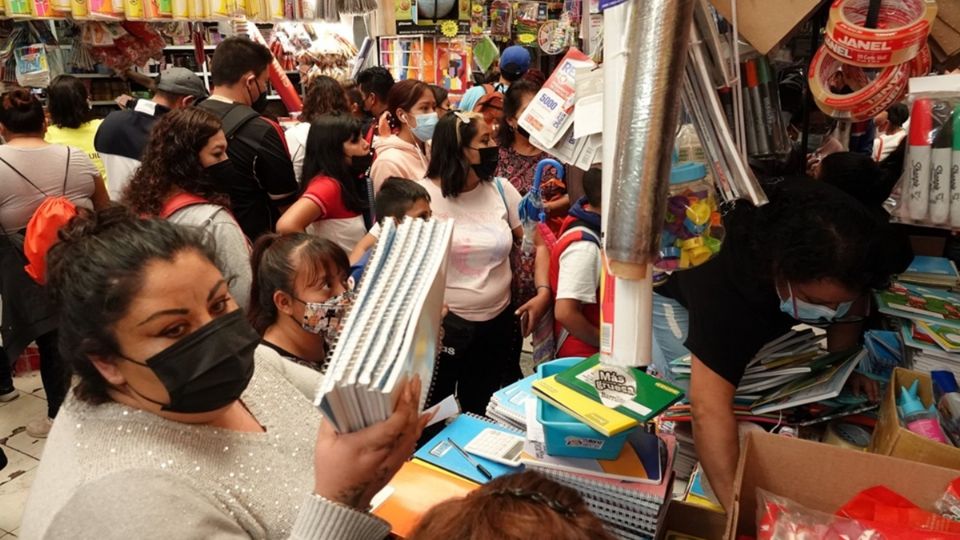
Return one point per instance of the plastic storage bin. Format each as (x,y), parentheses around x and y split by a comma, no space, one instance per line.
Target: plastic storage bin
(565,435)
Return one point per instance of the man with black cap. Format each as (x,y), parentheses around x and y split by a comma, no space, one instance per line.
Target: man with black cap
(514,62)
(123,134)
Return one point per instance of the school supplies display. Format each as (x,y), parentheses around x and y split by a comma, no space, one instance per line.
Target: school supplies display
(393,330)
(628,391)
(629,509)
(921,303)
(445,450)
(607,421)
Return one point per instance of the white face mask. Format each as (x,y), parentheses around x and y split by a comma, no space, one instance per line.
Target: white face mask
(808,312)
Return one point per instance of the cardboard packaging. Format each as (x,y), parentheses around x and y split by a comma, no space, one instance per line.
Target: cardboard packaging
(683,520)
(891,439)
(822,477)
(763,23)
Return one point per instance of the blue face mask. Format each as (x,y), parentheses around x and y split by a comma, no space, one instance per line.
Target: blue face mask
(808,312)
(426,123)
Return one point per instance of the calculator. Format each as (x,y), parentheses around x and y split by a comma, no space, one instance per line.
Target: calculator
(498,446)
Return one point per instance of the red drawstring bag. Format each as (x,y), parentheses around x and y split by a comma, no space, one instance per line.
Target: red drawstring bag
(44,225)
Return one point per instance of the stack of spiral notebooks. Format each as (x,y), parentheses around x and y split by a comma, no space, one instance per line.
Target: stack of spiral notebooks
(393,329)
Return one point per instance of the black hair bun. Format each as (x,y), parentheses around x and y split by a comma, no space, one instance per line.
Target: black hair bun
(19,98)
(89,223)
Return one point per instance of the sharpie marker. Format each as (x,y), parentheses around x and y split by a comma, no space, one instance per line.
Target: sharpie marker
(940,159)
(921,119)
(955,172)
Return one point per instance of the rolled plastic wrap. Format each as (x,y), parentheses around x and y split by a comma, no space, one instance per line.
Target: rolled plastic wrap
(657,39)
(733,177)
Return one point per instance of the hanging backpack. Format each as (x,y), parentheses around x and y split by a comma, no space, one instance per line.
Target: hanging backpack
(45,224)
(490,106)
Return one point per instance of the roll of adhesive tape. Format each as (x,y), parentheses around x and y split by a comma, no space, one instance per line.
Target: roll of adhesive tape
(847,435)
(921,63)
(869,99)
(901,32)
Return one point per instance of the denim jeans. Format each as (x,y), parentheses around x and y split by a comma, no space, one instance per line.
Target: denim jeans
(671,323)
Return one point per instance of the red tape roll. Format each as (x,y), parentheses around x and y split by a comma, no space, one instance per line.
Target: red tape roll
(900,35)
(869,98)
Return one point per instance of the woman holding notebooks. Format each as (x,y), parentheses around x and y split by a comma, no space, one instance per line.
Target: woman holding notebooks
(478,355)
(299,296)
(177,407)
(811,255)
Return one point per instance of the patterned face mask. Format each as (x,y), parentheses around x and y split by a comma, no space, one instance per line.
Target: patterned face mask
(326,318)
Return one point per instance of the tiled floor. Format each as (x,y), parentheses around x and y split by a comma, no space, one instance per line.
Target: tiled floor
(23,451)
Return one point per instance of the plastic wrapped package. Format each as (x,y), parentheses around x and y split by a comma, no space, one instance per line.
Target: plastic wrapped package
(929,190)
(875,513)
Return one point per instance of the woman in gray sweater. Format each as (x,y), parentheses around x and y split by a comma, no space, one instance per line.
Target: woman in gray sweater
(179,424)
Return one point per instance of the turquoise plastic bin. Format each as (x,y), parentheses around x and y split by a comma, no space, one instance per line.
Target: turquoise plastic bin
(565,435)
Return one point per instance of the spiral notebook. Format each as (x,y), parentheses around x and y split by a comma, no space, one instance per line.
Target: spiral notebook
(439,452)
(393,330)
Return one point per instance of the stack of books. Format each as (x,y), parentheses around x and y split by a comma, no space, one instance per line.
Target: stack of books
(508,405)
(630,509)
(393,330)
(609,399)
(933,271)
(929,320)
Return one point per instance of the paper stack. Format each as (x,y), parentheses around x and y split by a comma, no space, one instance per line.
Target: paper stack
(508,405)
(393,330)
(929,320)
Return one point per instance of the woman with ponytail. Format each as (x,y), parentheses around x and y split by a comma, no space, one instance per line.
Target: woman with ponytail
(411,111)
(184,163)
(299,296)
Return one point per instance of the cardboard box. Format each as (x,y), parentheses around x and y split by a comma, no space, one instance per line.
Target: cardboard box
(823,477)
(689,520)
(763,23)
(890,439)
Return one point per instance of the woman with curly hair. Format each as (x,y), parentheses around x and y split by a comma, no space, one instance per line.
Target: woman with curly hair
(185,159)
(324,96)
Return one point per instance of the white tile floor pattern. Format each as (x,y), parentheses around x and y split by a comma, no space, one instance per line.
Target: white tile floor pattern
(22,450)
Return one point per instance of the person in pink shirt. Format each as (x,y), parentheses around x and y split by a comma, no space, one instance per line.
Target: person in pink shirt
(477,356)
(411,113)
(332,204)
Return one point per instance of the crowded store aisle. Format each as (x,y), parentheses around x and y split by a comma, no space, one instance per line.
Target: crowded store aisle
(22,450)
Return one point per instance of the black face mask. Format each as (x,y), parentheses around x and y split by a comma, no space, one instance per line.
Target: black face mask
(521,131)
(359,165)
(219,175)
(259,104)
(489,158)
(207,370)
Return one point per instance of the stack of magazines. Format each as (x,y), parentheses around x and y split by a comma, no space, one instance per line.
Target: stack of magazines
(393,330)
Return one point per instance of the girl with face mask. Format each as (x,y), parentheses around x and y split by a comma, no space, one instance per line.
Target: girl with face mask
(184,163)
(300,296)
(411,108)
(478,353)
(335,195)
(206,433)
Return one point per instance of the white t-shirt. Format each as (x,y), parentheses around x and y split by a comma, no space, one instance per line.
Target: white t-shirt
(579,273)
(297,145)
(884,145)
(478,273)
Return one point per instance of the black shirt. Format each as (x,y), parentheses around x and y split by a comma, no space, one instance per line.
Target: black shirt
(733,304)
(265,181)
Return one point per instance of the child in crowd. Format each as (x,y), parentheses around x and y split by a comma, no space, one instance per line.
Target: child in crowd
(398,197)
(332,205)
(514,507)
(299,296)
(324,96)
(575,274)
